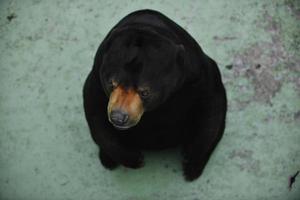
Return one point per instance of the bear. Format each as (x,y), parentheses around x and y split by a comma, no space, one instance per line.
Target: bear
(151,87)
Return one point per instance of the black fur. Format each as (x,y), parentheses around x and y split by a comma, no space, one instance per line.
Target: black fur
(188,106)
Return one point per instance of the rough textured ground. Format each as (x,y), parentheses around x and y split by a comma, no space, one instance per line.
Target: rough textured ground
(47,49)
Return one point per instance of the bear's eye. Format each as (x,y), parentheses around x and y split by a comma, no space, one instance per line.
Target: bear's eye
(144,93)
(112,84)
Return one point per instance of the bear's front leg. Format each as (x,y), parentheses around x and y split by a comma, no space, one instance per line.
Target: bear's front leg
(111,151)
(106,160)
(209,124)
(133,161)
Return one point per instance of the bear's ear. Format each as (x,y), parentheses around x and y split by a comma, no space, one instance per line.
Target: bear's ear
(180,55)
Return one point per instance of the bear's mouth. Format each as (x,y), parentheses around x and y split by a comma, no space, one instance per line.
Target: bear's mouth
(125,108)
(121,128)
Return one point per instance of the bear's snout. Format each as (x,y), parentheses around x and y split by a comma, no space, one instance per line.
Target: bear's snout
(119,117)
(125,108)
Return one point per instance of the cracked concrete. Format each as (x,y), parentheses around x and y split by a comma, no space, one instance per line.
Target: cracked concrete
(47,49)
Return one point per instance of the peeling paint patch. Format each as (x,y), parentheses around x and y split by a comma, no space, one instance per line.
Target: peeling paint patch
(294,6)
(256,64)
(245,161)
(243,154)
(224,38)
(265,84)
(266,64)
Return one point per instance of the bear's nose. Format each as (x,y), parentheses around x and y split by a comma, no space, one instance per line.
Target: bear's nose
(118,117)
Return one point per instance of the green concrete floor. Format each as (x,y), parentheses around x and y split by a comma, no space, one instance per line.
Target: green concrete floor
(47,49)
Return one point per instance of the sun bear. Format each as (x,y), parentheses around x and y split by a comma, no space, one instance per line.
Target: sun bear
(152,87)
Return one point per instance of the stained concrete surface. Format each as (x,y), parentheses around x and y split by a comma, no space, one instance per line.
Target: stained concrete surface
(47,49)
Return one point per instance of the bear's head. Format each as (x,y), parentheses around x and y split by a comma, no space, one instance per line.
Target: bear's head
(140,70)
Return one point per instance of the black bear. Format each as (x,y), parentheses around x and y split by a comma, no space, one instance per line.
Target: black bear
(152,87)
